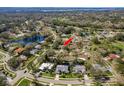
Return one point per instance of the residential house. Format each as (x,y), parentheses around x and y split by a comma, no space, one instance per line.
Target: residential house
(98,67)
(19,50)
(23,57)
(111,57)
(38,46)
(79,69)
(84,55)
(34,51)
(62,68)
(45,66)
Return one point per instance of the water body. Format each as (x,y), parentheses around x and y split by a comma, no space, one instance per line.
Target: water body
(54,9)
(29,40)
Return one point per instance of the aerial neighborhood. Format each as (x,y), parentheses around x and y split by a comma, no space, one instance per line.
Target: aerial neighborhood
(64,48)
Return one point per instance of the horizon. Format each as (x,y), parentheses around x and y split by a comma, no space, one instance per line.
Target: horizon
(55,9)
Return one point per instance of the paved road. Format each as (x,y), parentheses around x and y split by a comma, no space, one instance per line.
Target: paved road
(6,56)
(60,81)
(20,74)
(5,59)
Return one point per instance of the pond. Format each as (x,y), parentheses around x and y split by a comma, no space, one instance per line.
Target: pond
(29,40)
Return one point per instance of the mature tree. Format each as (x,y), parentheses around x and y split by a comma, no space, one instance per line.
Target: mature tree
(120,66)
(69,30)
(119,37)
(2,81)
(96,40)
(49,39)
(57,42)
(14,63)
(50,52)
(46,31)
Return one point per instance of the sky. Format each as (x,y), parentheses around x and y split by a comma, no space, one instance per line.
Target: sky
(61,3)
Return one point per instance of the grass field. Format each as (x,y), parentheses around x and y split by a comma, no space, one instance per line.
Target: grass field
(25,82)
(119,45)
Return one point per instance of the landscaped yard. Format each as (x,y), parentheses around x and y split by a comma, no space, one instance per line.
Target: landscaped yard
(118,45)
(48,74)
(25,82)
(71,75)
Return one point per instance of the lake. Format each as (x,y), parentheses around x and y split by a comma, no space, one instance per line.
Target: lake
(29,40)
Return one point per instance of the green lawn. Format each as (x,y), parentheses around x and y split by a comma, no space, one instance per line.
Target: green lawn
(25,82)
(71,75)
(48,74)
(28,62)
(119,45)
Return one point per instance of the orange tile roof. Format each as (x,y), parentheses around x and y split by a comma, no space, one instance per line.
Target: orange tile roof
(19,50)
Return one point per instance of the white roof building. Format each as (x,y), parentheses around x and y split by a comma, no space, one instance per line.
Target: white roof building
(38,46)
(23,57)
(34,51)
(46,66)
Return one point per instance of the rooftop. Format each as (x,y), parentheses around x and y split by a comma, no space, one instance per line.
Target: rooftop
(19,50)
(46,66)
(62,68)
(79,69)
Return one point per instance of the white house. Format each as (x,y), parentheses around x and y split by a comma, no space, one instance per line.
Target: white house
(46,66)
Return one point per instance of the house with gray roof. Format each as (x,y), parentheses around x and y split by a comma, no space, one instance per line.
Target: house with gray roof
(99,67)
(62,68)
(79,69)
